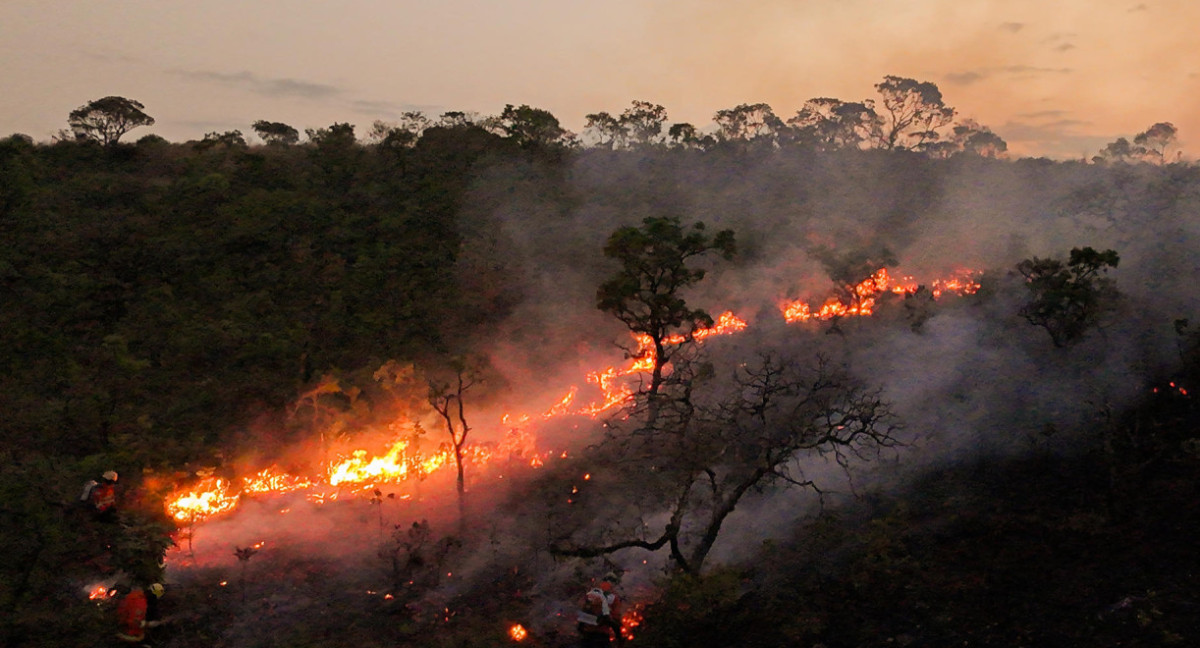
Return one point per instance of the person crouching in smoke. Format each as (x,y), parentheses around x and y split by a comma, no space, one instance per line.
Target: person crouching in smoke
(599,619)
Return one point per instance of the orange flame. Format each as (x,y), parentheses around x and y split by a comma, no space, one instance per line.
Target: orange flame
(360,472)
(100,592)
(865,294)
(962,283)
(206,499)
(616,392)
(271,481)
(518,632)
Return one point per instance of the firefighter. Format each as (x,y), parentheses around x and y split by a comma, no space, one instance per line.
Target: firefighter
(101,496)
(599,621)
(131,616)
(153,613)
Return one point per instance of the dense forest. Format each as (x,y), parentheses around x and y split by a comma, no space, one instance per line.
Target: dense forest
(1014,464)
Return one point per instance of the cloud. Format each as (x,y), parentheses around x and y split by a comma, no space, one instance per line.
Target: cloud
(966,78)
(1064,47)
(1033,70)
(1044,114)
(1013,27)
(969,77)
(1021,130)
(392,109)
(210,126)
(1054,133)
(277,87)
(1140,7)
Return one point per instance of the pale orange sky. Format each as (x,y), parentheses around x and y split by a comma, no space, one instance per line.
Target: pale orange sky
(1059,79)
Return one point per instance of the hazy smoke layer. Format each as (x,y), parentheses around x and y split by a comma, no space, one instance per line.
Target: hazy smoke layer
(966,376)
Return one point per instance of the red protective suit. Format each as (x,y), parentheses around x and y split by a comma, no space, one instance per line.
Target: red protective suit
(599,620)
(104,496)
(131,616)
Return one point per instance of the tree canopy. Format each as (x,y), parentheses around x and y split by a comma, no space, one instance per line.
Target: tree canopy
(646,293)
(106,120)
(1069,298)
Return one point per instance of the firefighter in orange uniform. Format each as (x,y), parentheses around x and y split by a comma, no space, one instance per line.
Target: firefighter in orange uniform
(101,496)
(131,616)
(599,621)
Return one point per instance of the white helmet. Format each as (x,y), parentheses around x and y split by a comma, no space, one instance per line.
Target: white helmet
(110,475)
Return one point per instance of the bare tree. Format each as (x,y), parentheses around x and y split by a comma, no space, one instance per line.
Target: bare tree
(718,441)
(447,399)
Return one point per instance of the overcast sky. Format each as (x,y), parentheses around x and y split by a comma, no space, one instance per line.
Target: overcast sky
(1059,78)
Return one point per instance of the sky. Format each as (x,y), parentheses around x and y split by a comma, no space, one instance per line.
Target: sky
(1054,78)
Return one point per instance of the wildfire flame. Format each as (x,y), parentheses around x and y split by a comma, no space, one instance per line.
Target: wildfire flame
(863,296)
(360,471)
(206,499)
(100,592)
(616,391)
(518,632)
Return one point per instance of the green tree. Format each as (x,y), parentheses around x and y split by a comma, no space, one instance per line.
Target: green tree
(457,119)
(607,130)
(685,135)
(276,133)
(913,111)
(970,137)
(1154,141)
(1119,150)
(748,122)
(228,140)
(1069,298)
(646,292)
(643,122)
(831,124)
(532,127)
(106,120)
(403,134)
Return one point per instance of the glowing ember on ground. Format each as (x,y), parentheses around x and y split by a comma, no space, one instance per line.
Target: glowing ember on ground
(100,592)
(962,283)
(518,632)
(630,620)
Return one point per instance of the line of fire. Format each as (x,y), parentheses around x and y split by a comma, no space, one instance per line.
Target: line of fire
(358,473)
(205,507)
